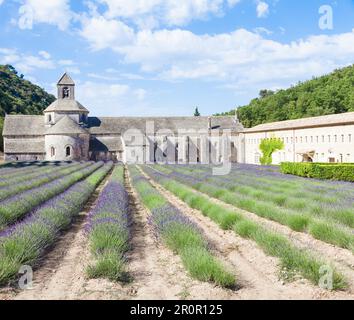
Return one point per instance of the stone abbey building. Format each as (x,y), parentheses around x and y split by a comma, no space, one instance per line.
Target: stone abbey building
(67,132)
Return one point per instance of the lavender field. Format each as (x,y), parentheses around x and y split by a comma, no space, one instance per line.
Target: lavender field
(123,232)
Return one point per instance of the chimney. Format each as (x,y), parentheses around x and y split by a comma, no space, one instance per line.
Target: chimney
(209,123)
(236,117)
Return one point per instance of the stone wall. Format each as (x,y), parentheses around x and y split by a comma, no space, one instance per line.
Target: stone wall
(78,144)
(24,157)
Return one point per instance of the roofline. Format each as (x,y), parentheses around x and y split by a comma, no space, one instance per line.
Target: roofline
(168,117)
(66,111)
(66,74)
(13,152)
(253,130)
(22,115)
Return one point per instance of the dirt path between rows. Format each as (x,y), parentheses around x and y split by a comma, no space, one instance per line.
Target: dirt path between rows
(61,276)
(258,274)
(342,259)
(156,272)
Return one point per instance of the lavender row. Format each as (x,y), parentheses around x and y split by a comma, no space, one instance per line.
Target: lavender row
(16,171)
(331,207)
(322,228)
(30,183)
(181,235)
(16,207)
(34,173)
(108,230)
(26,243)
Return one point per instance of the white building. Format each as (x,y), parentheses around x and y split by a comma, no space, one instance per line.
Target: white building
(319,139)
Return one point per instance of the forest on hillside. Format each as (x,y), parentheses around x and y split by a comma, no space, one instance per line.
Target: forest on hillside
(329,94)
(19,96)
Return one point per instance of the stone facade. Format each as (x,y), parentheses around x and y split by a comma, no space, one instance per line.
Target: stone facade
(66,132)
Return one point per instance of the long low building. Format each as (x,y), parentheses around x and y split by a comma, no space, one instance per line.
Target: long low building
(319,139)
(66,132)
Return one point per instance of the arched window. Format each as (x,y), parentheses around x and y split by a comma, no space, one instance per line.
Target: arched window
(68,151)
(49,118)
(52,152)
(66,92)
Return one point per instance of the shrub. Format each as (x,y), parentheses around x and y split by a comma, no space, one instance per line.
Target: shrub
(344,172)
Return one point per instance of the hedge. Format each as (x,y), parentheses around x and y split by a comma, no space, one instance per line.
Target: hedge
(343,172)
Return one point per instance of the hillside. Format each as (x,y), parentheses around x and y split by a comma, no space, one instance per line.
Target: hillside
(19,96)
(330,94)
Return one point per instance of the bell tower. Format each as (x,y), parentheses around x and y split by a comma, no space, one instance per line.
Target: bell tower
(66,88)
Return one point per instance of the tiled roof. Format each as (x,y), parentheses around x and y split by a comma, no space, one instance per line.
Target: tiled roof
(66,125)
(329,120)
(66,80)
(120,125)
(66,105)
(24,146)
(105,144)
(21,125)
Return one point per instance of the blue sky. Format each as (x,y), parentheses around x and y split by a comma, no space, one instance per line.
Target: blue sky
(164,57)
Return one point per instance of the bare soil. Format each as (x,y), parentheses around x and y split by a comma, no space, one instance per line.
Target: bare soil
(259,274)
(157,273)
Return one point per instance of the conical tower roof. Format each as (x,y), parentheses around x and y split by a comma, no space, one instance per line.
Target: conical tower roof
(66,125)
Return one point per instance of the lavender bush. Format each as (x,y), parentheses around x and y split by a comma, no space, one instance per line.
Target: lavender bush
(108,230)
(30,173)
(26,242)
(335,220)
(292,258)
(29,182)
(181,235)
(16,207)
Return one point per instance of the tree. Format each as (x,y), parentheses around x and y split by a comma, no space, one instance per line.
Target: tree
(1,138)
(329,94)
(196,112)
(265,93)
(19,96)
(268,147)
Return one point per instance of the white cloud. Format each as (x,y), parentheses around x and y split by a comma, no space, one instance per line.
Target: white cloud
(261,30)
(110,99)
(66,62)
(23,62)
(232,3)
(1,2)
(262,9)
(44,54)
(73,70)
(149,13)
(54,12)
(104,33)
(239,58)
